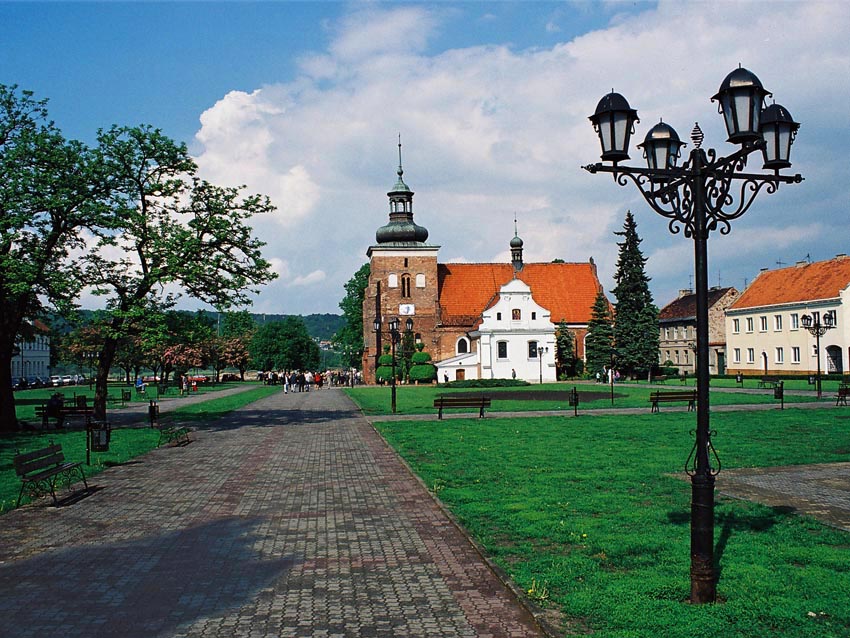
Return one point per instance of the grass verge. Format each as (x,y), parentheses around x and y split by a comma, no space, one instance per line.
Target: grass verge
(586,518)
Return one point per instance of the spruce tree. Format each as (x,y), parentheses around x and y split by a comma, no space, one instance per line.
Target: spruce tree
(636,327)
(600,335)
(566,354)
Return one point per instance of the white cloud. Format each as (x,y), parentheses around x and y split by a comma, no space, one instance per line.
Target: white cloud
(490,131)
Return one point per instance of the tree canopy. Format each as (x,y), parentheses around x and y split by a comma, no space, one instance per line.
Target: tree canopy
(284,345)
(600,335)
(349,339)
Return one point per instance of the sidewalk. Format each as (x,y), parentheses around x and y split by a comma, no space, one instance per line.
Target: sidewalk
(290,517)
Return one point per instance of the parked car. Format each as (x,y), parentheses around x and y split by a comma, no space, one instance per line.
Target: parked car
(19,383)
(67,379)
(34,382)
(55,380)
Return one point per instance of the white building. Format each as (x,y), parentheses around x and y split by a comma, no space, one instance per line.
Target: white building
(32,356)
(764,331)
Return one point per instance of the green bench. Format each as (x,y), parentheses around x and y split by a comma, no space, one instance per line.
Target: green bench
(461,402)
(41,470)
(678,396)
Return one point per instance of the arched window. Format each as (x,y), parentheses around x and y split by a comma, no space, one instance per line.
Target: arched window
(462,346)
(405,286)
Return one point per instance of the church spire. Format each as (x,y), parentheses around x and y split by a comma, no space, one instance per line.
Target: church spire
(401,227)
(516,250)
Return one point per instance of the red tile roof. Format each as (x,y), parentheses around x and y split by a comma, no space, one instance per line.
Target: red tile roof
(567,291)
(685,307)
(804,282)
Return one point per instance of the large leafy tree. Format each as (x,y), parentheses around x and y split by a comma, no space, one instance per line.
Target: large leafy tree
(636,327)
(173,232)
(51,192)
(284,345)
(600,335)
(349,339)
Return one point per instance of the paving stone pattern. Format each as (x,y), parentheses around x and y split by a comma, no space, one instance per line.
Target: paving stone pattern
(289,518)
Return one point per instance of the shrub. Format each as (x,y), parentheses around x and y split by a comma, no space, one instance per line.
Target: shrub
(486,383)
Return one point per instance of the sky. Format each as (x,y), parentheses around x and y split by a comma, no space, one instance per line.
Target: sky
(305,101)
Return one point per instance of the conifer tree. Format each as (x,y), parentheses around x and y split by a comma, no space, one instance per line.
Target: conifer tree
(636,327)
(566,354)
(600,335)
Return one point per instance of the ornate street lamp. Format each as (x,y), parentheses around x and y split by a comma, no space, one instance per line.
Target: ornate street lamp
(818,329)
(703,195)
(541,352)
(395,336)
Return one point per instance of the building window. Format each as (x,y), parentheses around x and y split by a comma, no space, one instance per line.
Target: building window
(667,333)
(405,286)
(736,326)
(777,323)
(795,354)
(502,350)
(498,316)
(420,280)
(685,352)
(677,356)
(751,355)
(749,324)
(533,316)
(405,262)
(780,355)
(392,281)
(763,324)
(532,349)
(675,332)
(736,355)
(668,357)
(795,321)
(462,346)
(516,314)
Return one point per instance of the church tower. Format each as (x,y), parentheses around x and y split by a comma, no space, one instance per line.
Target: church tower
(402,279)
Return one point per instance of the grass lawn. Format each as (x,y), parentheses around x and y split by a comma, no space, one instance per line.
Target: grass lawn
(126,443)
(586,518)
(420,399)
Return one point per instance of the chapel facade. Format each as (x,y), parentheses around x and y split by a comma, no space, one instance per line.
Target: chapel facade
(476,320)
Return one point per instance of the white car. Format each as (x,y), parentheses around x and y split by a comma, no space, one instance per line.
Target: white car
(55,380)
(67,379)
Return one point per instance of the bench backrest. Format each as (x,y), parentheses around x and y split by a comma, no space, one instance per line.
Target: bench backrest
(673,394)
(30,462)
(461,401)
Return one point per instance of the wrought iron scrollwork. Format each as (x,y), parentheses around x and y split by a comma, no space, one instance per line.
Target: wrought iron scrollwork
(691,462)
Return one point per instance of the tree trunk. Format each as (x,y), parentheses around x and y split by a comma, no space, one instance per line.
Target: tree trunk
(104,363)
(8,417)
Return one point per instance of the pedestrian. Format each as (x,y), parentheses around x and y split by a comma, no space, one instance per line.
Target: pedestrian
(446,377)
(184,384)
(513,373)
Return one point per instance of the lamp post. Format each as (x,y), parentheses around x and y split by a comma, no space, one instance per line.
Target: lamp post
(703,195)
(818,329)
(541,352)
(395,335)
(611,372)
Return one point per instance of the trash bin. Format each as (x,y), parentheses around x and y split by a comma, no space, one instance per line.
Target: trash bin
(153,413)
(779,390)
(739,379)
(100,433)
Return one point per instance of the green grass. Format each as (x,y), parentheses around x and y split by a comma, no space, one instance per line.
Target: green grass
(420,399)
(585,516)
(125,444)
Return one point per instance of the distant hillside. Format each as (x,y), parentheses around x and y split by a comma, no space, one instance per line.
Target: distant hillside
(321,326)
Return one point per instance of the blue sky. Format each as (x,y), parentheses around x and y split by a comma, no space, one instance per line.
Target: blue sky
(304,101)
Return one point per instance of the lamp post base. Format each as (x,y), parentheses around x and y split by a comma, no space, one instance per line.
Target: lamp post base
(703,573)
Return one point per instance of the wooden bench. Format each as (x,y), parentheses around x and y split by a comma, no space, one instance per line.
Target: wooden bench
(673,397)
(172,433)
(461,402)
(61,413)
(40,471)
(768,382)
(841,397)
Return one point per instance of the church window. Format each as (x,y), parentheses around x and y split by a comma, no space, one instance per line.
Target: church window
(502,350)
(405,286)
(405,262)
(462,346)
(498,316)
(392,281)
(420,280)
(533,316)
(516,314)
(532,349)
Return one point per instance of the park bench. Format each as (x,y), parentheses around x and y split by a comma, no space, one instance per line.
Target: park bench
(172,433)
(841,397)
(40,471)
(767,382)
(461,402)
(673,397)
(60,413)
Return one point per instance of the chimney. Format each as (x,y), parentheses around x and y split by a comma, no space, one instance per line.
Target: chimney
(684,292)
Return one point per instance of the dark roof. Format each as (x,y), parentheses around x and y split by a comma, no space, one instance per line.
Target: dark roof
(685,307)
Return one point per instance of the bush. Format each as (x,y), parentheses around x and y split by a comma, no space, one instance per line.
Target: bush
(423,372)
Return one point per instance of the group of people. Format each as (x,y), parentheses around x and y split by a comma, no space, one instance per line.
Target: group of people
(304,381)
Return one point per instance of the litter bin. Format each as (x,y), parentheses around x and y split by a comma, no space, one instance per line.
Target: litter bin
(153,413)
(100,433)
(739,379)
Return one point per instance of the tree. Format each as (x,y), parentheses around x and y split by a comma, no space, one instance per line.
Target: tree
(565,349)
(284,345)
(237,329)
(636,327)
(172,231)
(51,191)
(600,335)
(422,368)
(349,339)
